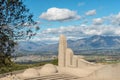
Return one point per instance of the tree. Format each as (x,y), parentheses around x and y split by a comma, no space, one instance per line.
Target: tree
(15,23)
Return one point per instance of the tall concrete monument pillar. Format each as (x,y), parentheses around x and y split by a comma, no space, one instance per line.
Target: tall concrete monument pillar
(66,57)
(62,51)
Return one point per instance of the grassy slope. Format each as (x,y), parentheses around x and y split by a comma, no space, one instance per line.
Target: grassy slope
(15,67)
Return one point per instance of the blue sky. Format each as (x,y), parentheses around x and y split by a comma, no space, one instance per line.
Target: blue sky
(75,18)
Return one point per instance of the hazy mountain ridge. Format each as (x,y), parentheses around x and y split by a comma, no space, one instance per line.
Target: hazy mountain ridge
(97,41)
(94,42)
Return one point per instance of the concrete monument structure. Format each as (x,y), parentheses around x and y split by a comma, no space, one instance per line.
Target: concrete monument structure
(75,65)
(30,73)
(66,57)
(62,50)
(48,69)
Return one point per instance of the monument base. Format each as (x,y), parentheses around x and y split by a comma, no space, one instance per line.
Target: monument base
(80,72)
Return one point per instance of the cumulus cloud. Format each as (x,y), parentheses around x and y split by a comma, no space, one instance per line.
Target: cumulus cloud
(59,14)
(97,21)
(98,27)
(114,19)
(91,12)
(78,32)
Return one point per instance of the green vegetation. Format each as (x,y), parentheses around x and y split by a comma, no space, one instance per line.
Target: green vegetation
(14,21)
(103,59)
(15,67)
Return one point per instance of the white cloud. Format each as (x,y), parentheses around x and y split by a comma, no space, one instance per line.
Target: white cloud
(77,32)
(59,14)
(84,30)
(92,32)
(115,19)
(91,12)
(97,21)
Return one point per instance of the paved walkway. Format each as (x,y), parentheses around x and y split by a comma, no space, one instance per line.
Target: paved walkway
(56,77)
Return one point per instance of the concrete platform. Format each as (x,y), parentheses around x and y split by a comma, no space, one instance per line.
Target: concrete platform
(56,77)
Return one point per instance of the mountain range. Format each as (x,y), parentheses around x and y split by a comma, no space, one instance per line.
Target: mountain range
(94,42)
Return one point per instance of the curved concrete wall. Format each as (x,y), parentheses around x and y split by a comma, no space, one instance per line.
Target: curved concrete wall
(109,72)
(68,58)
